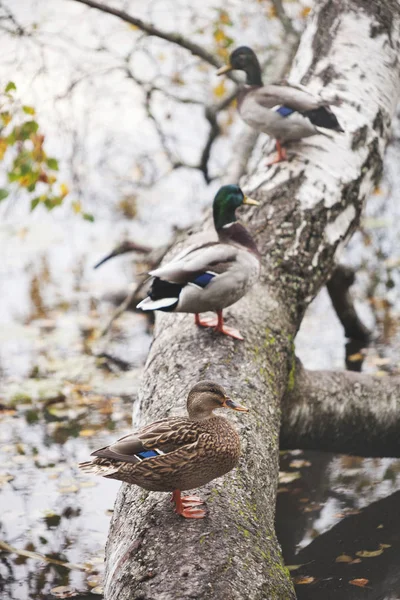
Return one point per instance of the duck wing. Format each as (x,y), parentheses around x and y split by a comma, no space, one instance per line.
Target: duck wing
(195,263)
(164,436)
(292,97)
(288,99)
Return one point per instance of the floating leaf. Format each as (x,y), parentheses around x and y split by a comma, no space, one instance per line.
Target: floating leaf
(359,582)
(10,86)
(288,477)
(68,489)
(5,478)
(369,554)
(355,357)
(63,591)
(97,590)
(3,194)
(87,432)
(294,567)
(303,580)
(344,558)
(298,464)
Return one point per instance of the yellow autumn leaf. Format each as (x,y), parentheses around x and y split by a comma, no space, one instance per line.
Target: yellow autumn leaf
(220,89)
(303,580)
(87,432)
(305,11)
(219,35)
(359,582)
(77,207)
(3,148)
(369,554)
(64,190)
(344,558)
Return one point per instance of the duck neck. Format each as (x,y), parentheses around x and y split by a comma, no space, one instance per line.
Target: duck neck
(235,233)
(223,215)
(253,73)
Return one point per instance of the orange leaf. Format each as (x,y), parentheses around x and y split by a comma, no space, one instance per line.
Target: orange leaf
(305,11)
(303,580)
(359,582)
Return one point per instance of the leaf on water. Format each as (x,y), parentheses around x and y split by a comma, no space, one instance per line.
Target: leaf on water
(93,581)
(298,464)
(84,484)
(5,478)
(87,432)
(344,558)
(294,567)
(68,489)
(355,357)
(303,580)
(97,590)
(288,477)
(359,582)
(384,546)
(10,86)
(63,591)
(369,553)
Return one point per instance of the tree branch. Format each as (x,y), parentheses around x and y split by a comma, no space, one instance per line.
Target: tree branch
(151,30)
(344,412)
(359,335)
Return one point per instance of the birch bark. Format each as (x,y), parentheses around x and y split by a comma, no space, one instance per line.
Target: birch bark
(310,206)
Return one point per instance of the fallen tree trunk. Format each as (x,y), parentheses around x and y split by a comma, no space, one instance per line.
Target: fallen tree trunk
(342,412)
(309,206)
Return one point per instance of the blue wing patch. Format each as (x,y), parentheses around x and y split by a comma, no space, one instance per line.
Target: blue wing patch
(204,279)
(284,111)
(147,454)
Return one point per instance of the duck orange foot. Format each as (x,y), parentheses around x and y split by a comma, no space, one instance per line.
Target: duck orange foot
(219,325)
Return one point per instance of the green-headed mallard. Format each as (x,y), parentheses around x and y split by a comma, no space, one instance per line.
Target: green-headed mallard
(211,276)
(176,453)
(284,112)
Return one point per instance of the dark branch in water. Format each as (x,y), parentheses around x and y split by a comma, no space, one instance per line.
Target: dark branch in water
(359,335)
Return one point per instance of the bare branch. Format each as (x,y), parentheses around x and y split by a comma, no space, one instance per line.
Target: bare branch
(344,412)
(151,30)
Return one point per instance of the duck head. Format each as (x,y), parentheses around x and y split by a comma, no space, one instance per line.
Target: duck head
(244,59)
(227,200)
(205,397)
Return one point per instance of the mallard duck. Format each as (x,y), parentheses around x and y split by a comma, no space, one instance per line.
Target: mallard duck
(284,112)
(211,276)
(176,453)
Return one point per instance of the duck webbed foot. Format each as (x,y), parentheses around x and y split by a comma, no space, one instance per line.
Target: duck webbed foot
(185,506)
(219,325)
(279,157)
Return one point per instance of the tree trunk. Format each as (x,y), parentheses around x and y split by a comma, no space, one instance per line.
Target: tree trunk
(309,206)
(342,412)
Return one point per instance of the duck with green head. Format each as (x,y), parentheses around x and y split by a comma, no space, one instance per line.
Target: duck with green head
(176,453)
(214,275)
(284,112)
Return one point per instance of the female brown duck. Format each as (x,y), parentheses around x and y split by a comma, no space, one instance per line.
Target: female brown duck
(176,453)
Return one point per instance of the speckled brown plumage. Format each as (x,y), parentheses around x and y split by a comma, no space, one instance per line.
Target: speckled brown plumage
(193,450)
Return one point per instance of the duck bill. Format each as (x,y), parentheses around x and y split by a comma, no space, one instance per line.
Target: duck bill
(224,69)
(250,201)
(234,405)
(115,252)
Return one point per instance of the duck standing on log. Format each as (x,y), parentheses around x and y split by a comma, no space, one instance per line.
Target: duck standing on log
(176,453)
(285,112)
(211,276)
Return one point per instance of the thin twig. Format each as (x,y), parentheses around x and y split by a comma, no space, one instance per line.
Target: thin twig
(151,30)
